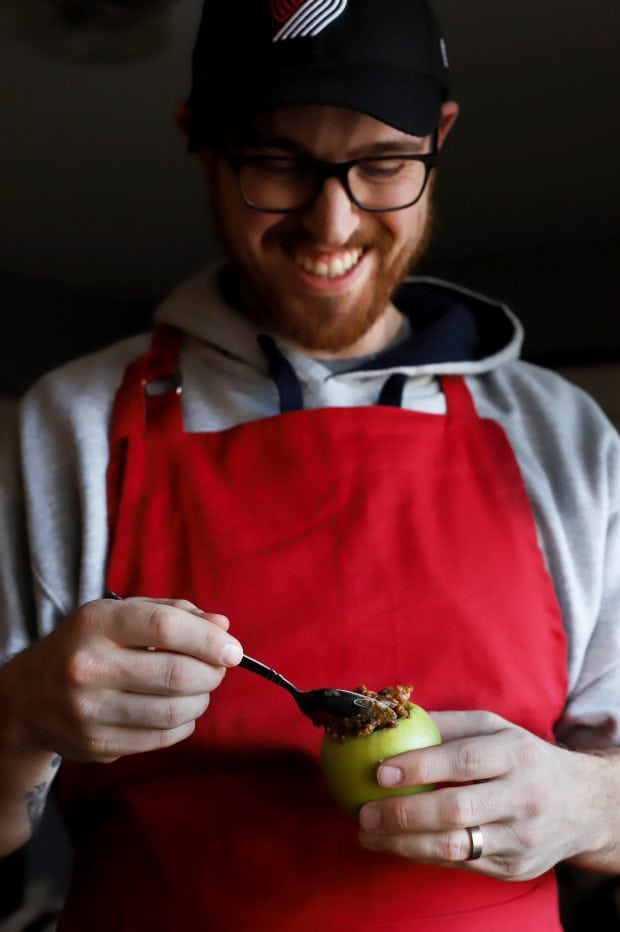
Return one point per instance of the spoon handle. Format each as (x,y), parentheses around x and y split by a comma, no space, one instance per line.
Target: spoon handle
(248,663)
(255,666)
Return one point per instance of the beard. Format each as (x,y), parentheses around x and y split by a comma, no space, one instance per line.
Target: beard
(317,323)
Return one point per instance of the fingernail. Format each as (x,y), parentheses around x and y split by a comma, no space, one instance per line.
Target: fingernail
(389,776)
(232,654)
(370,818)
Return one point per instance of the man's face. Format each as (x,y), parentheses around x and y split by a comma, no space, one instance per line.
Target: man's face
(282,259)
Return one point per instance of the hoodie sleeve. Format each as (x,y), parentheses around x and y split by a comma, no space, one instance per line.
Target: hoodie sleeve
(17,612)
(592,716)
(569,456)
(53,508)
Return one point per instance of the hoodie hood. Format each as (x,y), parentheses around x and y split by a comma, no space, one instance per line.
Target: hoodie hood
(453,330)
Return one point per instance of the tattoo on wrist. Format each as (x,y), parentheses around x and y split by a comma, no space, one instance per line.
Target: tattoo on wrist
(35,799)
(35,802)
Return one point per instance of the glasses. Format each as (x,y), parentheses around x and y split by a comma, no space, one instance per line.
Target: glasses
(285,184)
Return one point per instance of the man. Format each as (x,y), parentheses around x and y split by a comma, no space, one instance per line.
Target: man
(356,481)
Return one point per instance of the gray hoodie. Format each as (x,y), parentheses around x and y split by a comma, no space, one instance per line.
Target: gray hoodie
(53,523)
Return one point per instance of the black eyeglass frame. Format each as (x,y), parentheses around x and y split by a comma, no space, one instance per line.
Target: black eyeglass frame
(325,170)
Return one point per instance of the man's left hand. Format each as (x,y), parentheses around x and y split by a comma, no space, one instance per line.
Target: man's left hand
(536,803)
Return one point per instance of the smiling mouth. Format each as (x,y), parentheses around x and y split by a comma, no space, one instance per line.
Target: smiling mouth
(329,266)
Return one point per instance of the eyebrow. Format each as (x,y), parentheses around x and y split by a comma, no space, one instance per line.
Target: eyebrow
(399,146)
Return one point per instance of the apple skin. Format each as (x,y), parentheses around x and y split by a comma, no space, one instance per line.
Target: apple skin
(350,765)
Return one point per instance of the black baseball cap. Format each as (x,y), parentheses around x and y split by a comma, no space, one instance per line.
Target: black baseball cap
(385,58)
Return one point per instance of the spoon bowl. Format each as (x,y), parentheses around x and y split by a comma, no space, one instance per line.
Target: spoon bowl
(323,706)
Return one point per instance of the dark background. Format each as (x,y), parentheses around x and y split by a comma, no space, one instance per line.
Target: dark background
(102,211)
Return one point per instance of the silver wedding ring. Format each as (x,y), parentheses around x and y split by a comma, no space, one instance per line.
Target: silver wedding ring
(475,837)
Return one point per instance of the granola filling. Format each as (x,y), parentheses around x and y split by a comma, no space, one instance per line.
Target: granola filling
(392,704)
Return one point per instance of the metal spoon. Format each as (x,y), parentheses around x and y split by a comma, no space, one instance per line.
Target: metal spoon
(323,706)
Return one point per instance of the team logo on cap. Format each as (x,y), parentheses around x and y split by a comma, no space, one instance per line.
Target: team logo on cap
(304,17)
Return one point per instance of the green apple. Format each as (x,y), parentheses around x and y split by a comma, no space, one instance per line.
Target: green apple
(350,764)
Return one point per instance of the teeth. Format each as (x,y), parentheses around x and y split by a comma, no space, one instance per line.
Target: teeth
(334,267)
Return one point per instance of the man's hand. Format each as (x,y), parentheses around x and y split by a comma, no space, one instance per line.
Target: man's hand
(116,678)
(537,804)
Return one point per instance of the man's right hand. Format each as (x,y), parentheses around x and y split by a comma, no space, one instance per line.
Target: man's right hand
(116,678)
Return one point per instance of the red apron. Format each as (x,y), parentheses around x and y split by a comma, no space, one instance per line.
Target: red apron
(347,545)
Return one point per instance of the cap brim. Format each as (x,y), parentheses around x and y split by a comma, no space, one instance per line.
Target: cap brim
(406,101)
(378,92)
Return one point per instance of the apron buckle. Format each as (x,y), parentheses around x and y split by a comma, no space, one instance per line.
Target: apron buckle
(166,385)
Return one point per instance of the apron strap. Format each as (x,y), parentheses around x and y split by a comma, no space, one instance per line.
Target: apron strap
(151,389)
(459,402)
(458,397)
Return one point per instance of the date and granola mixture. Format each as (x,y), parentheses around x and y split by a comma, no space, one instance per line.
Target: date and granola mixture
(392,704)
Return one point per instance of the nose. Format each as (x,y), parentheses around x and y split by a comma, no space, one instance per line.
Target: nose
(332,218)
